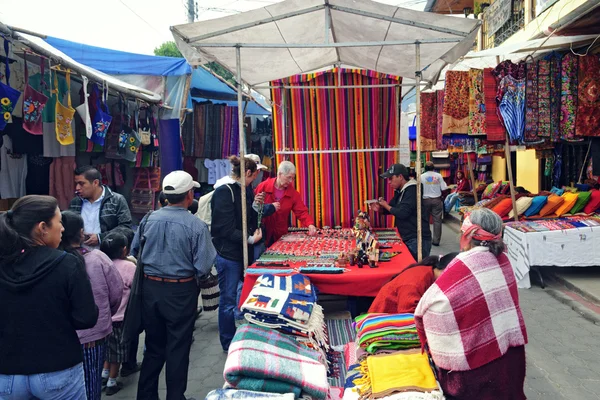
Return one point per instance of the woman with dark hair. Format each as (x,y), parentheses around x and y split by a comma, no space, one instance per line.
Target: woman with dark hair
(470,318)
(462,185)
(227,234)
(403,292)
(46,296)
(107,287)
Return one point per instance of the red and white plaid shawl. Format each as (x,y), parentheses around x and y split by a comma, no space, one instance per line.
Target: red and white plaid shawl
(470,316)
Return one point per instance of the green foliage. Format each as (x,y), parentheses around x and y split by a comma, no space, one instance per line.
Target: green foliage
(222,72)
(168,49)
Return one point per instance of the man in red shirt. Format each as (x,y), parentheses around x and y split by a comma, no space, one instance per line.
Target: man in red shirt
(281,193)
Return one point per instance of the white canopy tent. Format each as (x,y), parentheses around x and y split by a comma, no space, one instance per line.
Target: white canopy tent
(299,36)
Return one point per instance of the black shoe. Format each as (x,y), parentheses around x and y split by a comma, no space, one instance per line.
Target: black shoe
(125,372)
(110,390)
(435,244)
(104,383)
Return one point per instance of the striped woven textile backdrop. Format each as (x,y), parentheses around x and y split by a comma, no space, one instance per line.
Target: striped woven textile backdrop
(334,186)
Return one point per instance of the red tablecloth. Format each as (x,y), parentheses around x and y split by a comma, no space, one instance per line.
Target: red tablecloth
(363,281)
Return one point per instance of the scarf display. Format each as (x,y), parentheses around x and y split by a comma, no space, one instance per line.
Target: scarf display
(588,106)
(544,120)
(440,120)
(495,129)
(324,119)
(477,125)
(568,96)
(375,332)
(212,132)
(456,103)
(264,360)
(428,130)
(512,106)
(462,329)
(555,98)
(531,104)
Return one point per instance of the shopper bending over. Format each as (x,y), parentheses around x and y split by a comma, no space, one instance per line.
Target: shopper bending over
(403,292)
(46,296)
(471,321)
(281,190)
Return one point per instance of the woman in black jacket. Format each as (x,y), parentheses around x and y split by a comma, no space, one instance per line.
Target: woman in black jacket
(227,234)
(46,296)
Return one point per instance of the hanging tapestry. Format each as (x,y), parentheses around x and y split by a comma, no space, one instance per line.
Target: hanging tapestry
(588,107)
(477,124)
(531,104)
(440,120)
(428,121)
(214,132)
(495,129)
(544,121)
(512,106)
(335,185)
(568,96)
(555,93)
(456,103)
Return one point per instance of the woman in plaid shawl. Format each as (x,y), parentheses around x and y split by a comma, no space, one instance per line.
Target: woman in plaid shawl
(470,319)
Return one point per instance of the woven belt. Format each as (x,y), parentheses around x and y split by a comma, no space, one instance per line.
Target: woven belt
(168,280)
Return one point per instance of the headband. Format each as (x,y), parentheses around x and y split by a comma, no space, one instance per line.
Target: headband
(471,231)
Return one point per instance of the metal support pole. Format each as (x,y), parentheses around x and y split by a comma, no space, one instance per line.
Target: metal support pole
(238,64)
(472,178)
(398,125)
(418,162)
(186,96)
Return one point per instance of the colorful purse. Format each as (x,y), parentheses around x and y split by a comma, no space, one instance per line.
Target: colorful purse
(101,121)
(144,127)
(142,196)
(33,103)
(64,114)
(8,95)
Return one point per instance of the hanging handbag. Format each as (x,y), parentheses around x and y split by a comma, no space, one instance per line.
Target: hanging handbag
(144,130)
(149,177)
(412,130)
(102,120)
(132,322)
(84,109)
(64,114)
(210,292)
(8,95)
(33,102)
(142,197)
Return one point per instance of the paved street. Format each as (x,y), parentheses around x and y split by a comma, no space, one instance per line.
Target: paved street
(563,354)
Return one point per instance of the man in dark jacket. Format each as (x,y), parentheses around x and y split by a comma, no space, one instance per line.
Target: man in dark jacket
(102,210)
(404,207)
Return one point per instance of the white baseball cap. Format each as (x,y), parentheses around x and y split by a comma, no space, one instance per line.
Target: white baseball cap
(178,182)
(256,159)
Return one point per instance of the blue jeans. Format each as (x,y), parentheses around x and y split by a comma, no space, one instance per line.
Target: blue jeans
(413,247)
(450,201)
(258,250)
(230,274)
(68,384)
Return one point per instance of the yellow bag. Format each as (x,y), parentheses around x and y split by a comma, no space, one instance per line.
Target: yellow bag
(64,115)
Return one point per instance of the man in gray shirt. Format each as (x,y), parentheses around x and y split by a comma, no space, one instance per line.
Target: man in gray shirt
(177,250)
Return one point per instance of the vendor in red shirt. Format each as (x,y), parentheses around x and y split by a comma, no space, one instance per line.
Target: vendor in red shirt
(404,291)
(281,193)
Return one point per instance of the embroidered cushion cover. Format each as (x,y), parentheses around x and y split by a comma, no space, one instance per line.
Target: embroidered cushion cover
(537,203)
(582,199)
(552,204)
(522,205)
(503,208)
(569,201)
(594,202)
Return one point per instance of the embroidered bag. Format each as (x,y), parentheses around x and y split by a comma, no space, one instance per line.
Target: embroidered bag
(412,130)
(144,127)
(64,114)
(33,103)
(8,95)
(142,196)
(84,109)
(151,173)
(101,121)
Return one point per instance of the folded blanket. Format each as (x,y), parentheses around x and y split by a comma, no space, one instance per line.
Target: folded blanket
(232,394)
(269,301)
(264,360)
(386,331)
(297,284)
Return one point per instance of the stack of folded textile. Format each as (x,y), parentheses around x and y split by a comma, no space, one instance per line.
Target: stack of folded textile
(376,332)
(264,360)
(288,304)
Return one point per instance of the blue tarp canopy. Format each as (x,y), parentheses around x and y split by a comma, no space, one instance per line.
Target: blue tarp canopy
(115,62)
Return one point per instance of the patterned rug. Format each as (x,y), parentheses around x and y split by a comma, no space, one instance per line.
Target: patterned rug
(340,333)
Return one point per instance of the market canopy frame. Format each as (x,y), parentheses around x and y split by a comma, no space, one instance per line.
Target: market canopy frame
(299,36)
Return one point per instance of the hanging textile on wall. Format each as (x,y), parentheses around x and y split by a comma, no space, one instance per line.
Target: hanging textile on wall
(214,133)
(335,185)
(428,121)
(440,120)
(555,93)
(477,125)
(512,106)
(456,103)
(588,107)
(495,129)
(531,104)
(544,125)
(568,97)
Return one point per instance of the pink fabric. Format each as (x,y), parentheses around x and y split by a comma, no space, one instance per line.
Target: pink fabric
(62,180)
(472,231)
(127,271)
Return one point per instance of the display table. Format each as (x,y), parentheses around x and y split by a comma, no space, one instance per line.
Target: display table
(357,281)
(575,247)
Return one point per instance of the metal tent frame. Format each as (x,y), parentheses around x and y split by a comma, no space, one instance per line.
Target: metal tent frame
(195,55)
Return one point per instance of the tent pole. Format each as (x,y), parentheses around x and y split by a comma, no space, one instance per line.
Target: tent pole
(186,96)
(418,162)
(398,125)
(238,65)
(472,178)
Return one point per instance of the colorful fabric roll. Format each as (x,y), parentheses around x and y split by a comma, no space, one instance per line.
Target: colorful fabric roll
(456,103)
(477,125)
(386,331)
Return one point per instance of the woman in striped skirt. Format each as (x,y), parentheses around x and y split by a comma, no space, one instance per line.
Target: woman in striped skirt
(107,287)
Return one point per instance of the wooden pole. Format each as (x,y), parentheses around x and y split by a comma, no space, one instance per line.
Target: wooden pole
(186,96)
(472,177)
(418,163)
(242,133)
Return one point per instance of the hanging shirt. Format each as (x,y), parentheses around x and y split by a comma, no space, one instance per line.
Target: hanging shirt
(212,171)
(13,172)
(90,212)
(433,185)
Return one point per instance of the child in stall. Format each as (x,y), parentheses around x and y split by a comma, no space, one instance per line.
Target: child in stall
(116,246)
